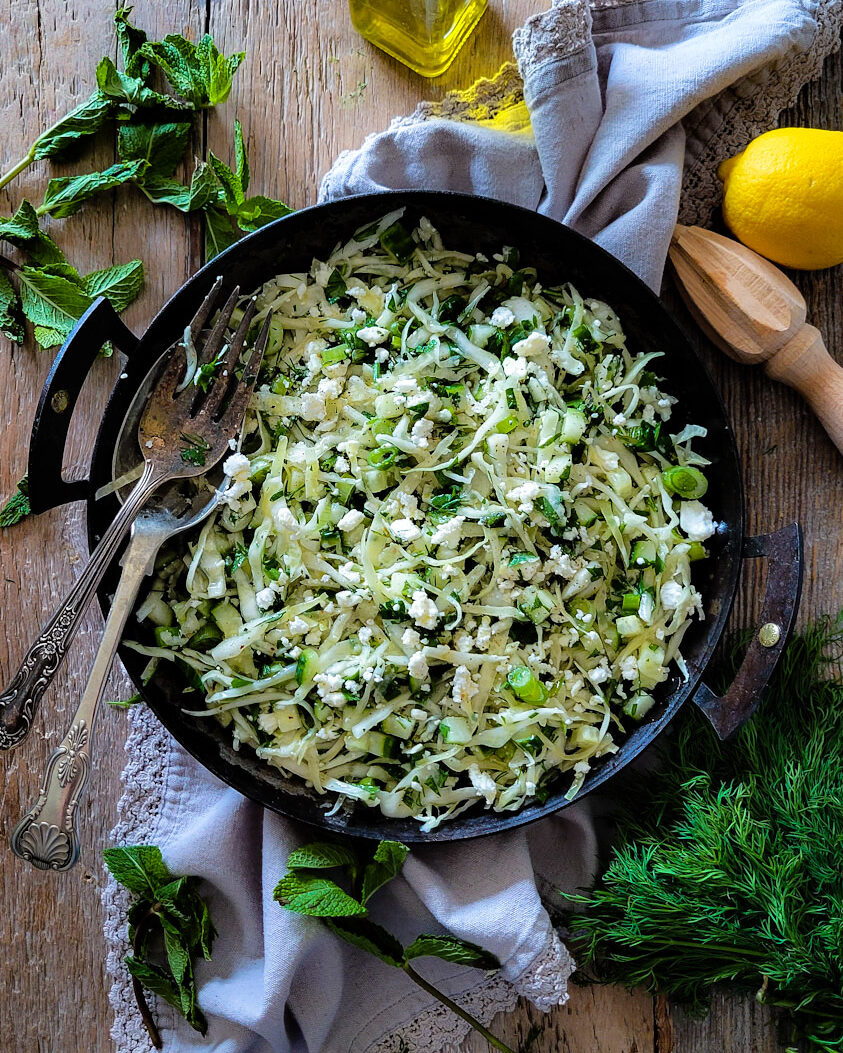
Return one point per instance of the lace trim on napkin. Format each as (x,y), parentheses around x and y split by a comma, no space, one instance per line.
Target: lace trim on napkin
(148,748)
(726,123)
(544,983)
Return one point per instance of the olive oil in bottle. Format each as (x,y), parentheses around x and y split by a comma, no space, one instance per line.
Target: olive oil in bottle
(423,34)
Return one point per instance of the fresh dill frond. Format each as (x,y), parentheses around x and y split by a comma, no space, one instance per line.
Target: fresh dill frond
(729,864)
(17,507)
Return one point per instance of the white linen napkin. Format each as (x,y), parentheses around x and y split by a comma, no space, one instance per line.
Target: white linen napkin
(611,112)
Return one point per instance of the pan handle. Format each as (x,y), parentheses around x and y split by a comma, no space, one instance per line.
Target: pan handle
(98,325)
(783,550)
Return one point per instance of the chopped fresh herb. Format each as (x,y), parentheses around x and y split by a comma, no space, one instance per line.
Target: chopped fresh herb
(195,449)
(398,242)
(335,287)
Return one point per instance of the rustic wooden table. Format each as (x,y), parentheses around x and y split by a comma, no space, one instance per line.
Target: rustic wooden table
(310,87)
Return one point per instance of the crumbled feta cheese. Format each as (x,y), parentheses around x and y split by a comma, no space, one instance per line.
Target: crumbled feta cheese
(608,459)
(265,598)
(410,638)
(348,599)
(364,635)
(448,533)
(352,518)
(629,667)
(404,530)
(696,520)
(358,316)
(484,635)
(560,563)
(600,673)
(329,389)
(463,688)
(373,335)
(671,594)
(341,465)
(408,503)
(483,783)
(524,495)
(515,367)
(348,572)
(417,666)
(502,317)
(298,626)
(534,344)
(406,385)
(421,433)
(423,610)
(312,406)
(237,468)
(286,521)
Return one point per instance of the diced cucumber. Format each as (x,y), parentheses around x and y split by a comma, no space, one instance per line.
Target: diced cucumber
(609,632)
(585,735)
(696,551)
(307,666)
(455,730)
(630,625)
(227,618)
(651,670)
(399,727)
(160,612)
(380,745)
(165,637)
(480,334)
(558,468)
(537,604)
(582,611)
(646,607)
(637,706)
(584,512)
(548,426)
(388,405)
(376,480)
(574,424)
(287,719)
(643,553)
(205,637)
(620,481)
(345,488)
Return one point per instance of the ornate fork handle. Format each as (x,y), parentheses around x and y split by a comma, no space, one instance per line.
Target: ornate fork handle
(19,701)
(47,836)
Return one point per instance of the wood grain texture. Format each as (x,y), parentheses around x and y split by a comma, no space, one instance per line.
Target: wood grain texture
(309,88)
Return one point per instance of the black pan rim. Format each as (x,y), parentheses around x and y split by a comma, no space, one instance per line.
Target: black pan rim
(370,823)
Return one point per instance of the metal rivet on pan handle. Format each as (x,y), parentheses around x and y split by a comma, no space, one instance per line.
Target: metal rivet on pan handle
(769,634)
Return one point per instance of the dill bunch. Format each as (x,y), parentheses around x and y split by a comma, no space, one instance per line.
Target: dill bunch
(729,860)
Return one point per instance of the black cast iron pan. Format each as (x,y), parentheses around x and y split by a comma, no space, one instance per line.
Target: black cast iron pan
(471,224)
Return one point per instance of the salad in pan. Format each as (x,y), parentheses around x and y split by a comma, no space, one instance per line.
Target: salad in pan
(454,557)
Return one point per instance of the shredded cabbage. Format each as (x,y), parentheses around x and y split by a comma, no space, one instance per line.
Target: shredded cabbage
(449,567)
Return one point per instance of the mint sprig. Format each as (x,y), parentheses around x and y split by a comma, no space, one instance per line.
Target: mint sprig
(167,909)
(304,889)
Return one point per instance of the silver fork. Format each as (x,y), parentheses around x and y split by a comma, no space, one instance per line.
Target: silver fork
(180,437)
(47,836)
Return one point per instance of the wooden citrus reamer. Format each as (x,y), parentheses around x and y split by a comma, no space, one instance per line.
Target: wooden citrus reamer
(757,316)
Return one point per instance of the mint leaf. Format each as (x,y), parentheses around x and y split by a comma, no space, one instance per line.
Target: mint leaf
(230,183)
(178,956)
(202,191)
(53,302)
(161,145)
(207,931)
(315,896)
(88,118)
(120,285)
(155,979)
(386,864)
(22,231)
(11,319)
(131,40)
(197,72)
(320,856)
(220,231)
(65,195)
(120,88)
(452,949)
(139,868)
(17,507)
(365,934)
(256,212)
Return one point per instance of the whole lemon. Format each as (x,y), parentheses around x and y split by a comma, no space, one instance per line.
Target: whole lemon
(783,196)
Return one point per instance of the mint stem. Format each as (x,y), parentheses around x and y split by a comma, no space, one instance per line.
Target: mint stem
(445,1000)
(24,162)
(137,986)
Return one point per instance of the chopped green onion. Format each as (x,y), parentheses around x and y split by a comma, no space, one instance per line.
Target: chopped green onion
(382,457)
(526,685)
(508,424)
(686,482)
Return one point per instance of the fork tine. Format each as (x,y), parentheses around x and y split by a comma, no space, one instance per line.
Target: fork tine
(224,378)
(217,334)
(232,418)
(201,317)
